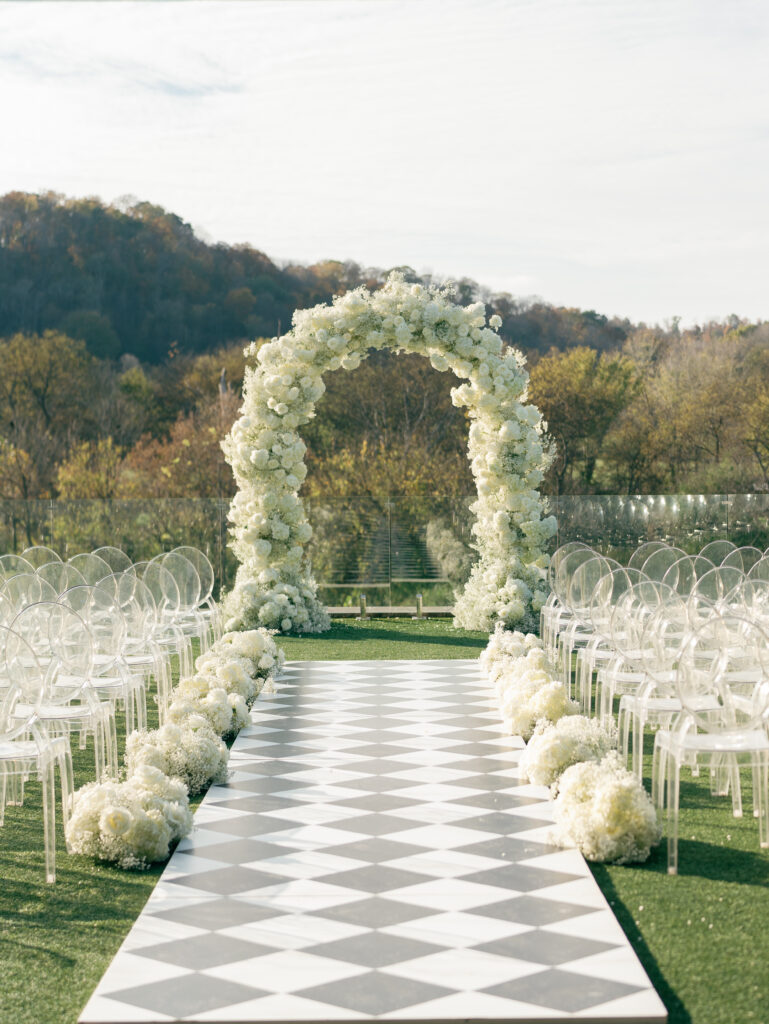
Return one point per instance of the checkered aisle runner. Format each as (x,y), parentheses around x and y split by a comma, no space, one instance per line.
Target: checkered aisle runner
(375,854)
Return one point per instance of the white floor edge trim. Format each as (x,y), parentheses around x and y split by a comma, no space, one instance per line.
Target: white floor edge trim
(375,855)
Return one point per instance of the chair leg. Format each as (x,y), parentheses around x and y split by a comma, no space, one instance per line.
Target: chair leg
(674,777)
(49,819)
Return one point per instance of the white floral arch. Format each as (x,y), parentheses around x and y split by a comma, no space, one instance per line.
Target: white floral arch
(274,585)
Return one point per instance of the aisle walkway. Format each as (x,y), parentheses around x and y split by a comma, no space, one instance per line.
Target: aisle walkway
(375,854)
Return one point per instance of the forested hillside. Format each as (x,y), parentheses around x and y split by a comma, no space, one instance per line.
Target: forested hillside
(133,278)
(121,346)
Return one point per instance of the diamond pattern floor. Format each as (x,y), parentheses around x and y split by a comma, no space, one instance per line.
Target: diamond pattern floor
(375,854)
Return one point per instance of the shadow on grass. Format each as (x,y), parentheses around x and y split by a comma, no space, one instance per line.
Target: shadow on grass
(358,633)
(677,1012)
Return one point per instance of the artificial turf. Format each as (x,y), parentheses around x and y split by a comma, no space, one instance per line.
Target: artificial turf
(702,936)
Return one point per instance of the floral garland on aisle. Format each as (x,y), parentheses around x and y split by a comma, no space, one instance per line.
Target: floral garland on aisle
(274,585)
(600,807)
(133,822)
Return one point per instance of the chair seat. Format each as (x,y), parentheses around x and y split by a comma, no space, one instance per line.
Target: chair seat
(717,742)
(19,750)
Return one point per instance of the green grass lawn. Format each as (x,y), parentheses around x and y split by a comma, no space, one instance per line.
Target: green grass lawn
(702,936)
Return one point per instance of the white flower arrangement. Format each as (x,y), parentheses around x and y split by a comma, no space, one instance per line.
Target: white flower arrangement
(504,646)
(515,663)
(274,585)
(600,807)
(192,752)
(131,823)
(603,810)
(554,747)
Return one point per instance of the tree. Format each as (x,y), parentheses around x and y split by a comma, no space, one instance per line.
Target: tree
(580,393)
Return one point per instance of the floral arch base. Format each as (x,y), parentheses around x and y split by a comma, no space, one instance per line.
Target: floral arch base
(274,585)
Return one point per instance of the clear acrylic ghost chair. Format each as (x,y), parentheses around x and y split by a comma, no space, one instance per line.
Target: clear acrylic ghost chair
(625,673)
(39,554)
(579,632)
(567,566)
(188,616)
(61,576)
(207,606)
(717,550)
(13,565)
(91,567)
(734,734)
(26,589)
(117,560)
(684,573)
(641,553)
(112,677)
(655,702)
(63,647)
(167,631)
(552,609)
(600,650)
(25,745)
(141,652)
(743,558)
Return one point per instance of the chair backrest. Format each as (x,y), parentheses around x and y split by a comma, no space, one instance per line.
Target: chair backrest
(91,567)
(750,599)
(163,587)
(566,569)
(743,558)
(717,550)
(27,588)
(38,555)
(712,671)
(22,681)
(760,571)
(659,561)
(62,644)
(558,556)
(716,584)
(641,553)
(127,594)
(585,579)
(104,620)
(186,576)
(61,576)
(607,593)
(117,560)
(204,570)
(684,573)
(662,638)
(13,565)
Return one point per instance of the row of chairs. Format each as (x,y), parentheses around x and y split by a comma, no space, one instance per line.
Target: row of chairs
(77,640)
(677,642)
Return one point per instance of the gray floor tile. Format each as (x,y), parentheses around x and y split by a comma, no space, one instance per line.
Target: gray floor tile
(376,912)
(560,990)
(218,913)
(189,994)
(376,949)
(374,993)
(542,947)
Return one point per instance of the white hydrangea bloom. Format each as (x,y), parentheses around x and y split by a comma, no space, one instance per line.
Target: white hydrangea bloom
(506,453)
(554,747)
(603,810)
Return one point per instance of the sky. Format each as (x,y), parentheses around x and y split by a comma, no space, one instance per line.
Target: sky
(605,154)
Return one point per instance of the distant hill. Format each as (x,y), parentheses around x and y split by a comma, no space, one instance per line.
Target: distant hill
(133,278)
